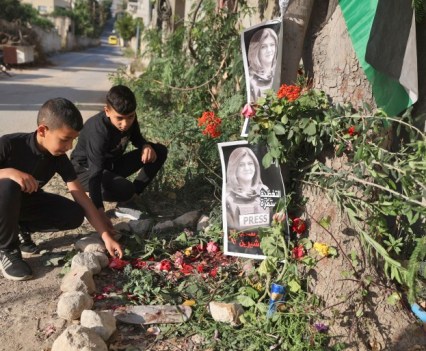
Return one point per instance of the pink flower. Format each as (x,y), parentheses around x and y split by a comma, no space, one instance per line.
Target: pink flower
(279,217)
(248,111)
(139,264)
(212,247)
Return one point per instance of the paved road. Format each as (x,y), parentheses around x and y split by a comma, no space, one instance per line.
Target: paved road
(81,77)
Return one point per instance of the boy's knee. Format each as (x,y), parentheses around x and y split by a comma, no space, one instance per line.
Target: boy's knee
(9,189)
(75,216)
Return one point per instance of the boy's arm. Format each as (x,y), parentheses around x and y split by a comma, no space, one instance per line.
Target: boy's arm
(94,218)
(26,181)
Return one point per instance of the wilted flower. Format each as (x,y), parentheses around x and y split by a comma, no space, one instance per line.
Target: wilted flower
(164,265)
(248,111)
(298,226)
(117,263)
(279,217)
(321,248)
(320,327)
(138,263)
(212,247)
(188,251)
(298,252)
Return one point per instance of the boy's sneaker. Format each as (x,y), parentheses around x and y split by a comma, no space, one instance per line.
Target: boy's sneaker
(132,209)
(127,211)
(13,266)
(27,245)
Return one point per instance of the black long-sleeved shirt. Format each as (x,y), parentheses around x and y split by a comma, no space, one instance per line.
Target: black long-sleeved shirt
(20,151)
(100,144)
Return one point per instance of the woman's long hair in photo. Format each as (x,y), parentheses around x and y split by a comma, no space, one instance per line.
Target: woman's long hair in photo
(255,66)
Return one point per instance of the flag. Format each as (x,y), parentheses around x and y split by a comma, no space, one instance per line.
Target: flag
(383,35)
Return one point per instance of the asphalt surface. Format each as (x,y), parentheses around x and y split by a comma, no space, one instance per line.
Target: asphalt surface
(82,77)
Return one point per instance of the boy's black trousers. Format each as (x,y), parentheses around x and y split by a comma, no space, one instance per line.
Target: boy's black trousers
(37,212)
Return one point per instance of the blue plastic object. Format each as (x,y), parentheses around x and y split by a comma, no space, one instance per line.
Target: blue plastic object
(419,312)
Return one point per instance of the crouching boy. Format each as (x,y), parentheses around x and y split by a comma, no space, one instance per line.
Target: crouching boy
(27,162)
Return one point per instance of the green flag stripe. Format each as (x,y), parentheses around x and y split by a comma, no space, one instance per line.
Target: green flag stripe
(388,93)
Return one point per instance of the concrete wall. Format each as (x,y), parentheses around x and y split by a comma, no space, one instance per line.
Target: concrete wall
(48,6)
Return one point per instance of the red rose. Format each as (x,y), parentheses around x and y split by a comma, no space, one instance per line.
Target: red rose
(186,269)
(298,226)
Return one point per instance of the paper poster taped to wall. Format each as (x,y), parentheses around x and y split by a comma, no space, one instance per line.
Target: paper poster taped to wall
(249,195)
(259,46)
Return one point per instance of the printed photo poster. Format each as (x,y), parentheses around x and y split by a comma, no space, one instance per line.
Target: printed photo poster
(249,195)
(259,46)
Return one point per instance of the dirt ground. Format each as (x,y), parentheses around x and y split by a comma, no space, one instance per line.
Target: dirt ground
(28,319)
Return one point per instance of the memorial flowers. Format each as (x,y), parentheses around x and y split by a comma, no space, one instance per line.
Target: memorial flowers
(211,124)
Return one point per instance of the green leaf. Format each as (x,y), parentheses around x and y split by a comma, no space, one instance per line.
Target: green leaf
(279,129)
(284,119)
(393,299)
(267,160)
(311,129)
(294,286)
(245,301)
(325,222)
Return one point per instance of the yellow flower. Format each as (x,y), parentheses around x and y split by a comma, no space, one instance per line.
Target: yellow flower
(321,248)
(189,303)
(188,251)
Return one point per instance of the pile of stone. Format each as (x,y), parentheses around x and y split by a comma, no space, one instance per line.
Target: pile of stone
(90,330)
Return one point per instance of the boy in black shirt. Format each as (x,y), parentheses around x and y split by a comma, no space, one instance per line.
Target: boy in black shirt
(27,162)
(100,160)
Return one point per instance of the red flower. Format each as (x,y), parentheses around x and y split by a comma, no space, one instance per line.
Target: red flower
(298,226)
(186,269)
(351,131)
(200,268)
(211,124)
(289,92)
(117,263)
(108,288)
(139,264)
(165,265)
(213,272)
(212,247)
(298,252)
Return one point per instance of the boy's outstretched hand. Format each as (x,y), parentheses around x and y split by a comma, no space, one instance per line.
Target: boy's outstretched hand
(113,247)
(148,154)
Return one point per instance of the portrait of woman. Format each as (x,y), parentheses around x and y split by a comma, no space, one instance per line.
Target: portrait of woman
(262,58)
(243,186)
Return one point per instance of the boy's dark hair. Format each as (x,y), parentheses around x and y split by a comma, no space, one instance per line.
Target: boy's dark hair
(57,112)
(121,99)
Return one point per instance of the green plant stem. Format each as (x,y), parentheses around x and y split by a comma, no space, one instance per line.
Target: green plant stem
(356,274)
(365,182)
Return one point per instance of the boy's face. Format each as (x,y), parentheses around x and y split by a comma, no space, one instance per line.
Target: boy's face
(56,141)
(119,121)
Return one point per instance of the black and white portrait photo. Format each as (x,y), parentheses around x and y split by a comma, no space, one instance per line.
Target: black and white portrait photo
(249,195)
(260,49)
(259,45)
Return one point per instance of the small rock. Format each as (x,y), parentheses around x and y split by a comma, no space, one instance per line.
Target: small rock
(163,226)
(141,227)
(72,304)
(91,243)
(203,223)
(86,259)
(79,338)
(187,220)
(78,279)
(226,312)
(102,258)
(101,322)
(122,226)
